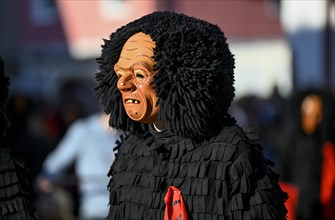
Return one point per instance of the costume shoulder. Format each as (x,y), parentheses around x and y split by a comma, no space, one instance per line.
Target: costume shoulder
(255,192)
(132,146)
(15,198)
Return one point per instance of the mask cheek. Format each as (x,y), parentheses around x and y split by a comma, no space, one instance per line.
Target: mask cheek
(134,113)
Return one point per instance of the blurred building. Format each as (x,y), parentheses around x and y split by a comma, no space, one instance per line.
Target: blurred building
(45,41)
(309,26)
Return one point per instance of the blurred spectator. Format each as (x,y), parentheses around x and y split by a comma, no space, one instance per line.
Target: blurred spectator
(57,204)
(75,99)
(265,115)
(15,190)
(307,158)
(37,125)
(88,142)
(26,138)
(270,122)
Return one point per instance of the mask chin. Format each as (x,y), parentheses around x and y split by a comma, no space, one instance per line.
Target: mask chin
(143,113)
(150,116)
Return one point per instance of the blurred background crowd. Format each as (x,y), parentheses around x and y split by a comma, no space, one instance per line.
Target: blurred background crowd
(285,85)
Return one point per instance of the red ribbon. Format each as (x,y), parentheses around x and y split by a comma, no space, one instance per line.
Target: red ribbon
(175,208)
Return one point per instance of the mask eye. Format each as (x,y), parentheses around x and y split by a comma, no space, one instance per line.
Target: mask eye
(119,74)
(140,74)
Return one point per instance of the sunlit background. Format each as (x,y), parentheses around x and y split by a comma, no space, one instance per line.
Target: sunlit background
(276,43)
(49,48)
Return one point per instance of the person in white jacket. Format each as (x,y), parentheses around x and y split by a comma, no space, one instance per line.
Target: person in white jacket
(90,143)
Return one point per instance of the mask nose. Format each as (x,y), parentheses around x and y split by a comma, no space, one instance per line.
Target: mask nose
(125,83)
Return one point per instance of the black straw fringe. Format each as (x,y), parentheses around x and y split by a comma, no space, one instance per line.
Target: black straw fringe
(15,189)
(224,178)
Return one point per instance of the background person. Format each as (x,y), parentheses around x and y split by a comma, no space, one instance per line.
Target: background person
(89,142)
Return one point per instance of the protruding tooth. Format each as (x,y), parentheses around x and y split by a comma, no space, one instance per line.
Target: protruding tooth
(132,101)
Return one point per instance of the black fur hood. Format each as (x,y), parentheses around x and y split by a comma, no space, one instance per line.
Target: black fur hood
(195,77)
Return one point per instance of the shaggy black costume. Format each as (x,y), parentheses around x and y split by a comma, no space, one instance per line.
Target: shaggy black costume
(220,170)
(14,185)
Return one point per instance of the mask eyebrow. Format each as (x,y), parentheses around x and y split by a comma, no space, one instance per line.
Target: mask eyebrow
(117,67)
(142,64)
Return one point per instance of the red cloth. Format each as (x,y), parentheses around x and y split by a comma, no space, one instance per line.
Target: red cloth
(292,201)
(175,208)
(328,173)
(327,186)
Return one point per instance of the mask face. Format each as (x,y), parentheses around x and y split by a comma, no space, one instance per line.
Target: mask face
(311,113)
(135,72)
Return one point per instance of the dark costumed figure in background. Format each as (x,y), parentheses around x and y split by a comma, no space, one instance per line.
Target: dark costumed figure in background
(167,80)
(15,189)
(307,158)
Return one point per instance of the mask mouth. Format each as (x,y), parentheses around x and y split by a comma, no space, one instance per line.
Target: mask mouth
(132,101)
